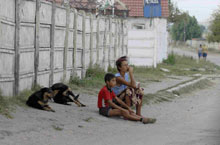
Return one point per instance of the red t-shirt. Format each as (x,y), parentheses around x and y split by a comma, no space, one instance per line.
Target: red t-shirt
(105,95)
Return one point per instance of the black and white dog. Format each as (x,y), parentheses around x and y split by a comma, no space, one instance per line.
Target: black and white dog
(63,95)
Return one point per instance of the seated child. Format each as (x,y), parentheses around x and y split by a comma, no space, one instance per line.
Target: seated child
(109,108)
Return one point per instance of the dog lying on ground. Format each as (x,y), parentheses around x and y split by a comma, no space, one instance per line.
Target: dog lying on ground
(63,94)
(40,99)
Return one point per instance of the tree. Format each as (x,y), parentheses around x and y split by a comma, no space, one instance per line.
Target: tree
(214,35)
(185,28)
(174,12)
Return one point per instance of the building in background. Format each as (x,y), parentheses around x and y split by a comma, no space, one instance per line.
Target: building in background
(147,26)
(147,31)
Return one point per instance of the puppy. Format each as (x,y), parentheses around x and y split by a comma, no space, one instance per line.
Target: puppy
(63,94)
(40,99)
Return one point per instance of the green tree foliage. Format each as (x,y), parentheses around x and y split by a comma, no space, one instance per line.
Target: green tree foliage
(174,12)
(184,27)
(214,36)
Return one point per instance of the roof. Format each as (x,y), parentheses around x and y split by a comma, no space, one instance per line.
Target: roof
(88,4)
(136,7)
(165,8)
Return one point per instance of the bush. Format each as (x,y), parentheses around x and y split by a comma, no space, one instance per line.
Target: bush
(94,78)
(171,60)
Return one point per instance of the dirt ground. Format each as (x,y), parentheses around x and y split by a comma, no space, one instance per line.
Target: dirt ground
(191,119)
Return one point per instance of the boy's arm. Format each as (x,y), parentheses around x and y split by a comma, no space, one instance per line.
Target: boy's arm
(123,104)
(113,105)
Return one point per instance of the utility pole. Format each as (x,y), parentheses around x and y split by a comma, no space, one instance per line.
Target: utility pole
(184,39)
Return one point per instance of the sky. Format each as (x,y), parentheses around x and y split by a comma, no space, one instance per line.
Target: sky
(201,9)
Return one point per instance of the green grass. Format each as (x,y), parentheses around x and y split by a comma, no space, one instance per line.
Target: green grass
(4,107)
(8,104)
(93,81)
(177,65)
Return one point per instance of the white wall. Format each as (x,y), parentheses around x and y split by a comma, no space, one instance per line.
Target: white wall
(196,43)
(59,44)
(147,46)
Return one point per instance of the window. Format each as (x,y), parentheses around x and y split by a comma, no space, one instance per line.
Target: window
(138,26)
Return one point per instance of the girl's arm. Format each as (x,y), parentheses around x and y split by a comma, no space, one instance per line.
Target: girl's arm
(132,83)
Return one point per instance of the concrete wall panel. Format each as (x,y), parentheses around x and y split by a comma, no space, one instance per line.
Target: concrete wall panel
(43,78)
(6,87)
(6,64)
(45,12)
(44,36)
(70,39)
(60,17)
(69,58)
(88,25)
(71,23)
(27,11)
(59,37)
(44,61)
(7,35)
(27,34)
(79,22)
(58,76)
(26,82)
(27,62)
(79,58)
(58,59)
(7,10)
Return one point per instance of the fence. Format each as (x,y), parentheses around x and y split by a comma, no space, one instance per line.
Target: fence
(43,43)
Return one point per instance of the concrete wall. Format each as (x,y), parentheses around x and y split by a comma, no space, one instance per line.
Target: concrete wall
(43,43)
(196,43)
(147,46)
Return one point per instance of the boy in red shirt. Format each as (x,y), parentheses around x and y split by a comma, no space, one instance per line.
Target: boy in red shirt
(109,108)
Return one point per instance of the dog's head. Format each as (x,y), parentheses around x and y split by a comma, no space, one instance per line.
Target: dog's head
(47,93)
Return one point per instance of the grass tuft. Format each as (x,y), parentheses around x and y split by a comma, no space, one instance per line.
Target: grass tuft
(171,60)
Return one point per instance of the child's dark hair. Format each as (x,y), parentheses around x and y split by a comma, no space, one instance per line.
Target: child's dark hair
(119,61)
(109,77)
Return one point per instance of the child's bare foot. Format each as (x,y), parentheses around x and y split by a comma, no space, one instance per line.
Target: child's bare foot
(149,120)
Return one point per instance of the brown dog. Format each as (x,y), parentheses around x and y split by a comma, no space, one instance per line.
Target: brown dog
(40,99)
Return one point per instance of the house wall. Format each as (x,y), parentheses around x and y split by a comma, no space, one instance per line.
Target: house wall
(147,46)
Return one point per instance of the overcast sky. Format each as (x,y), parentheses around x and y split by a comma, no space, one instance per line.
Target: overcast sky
(201,9)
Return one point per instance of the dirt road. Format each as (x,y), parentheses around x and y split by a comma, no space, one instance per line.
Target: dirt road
(192,119)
